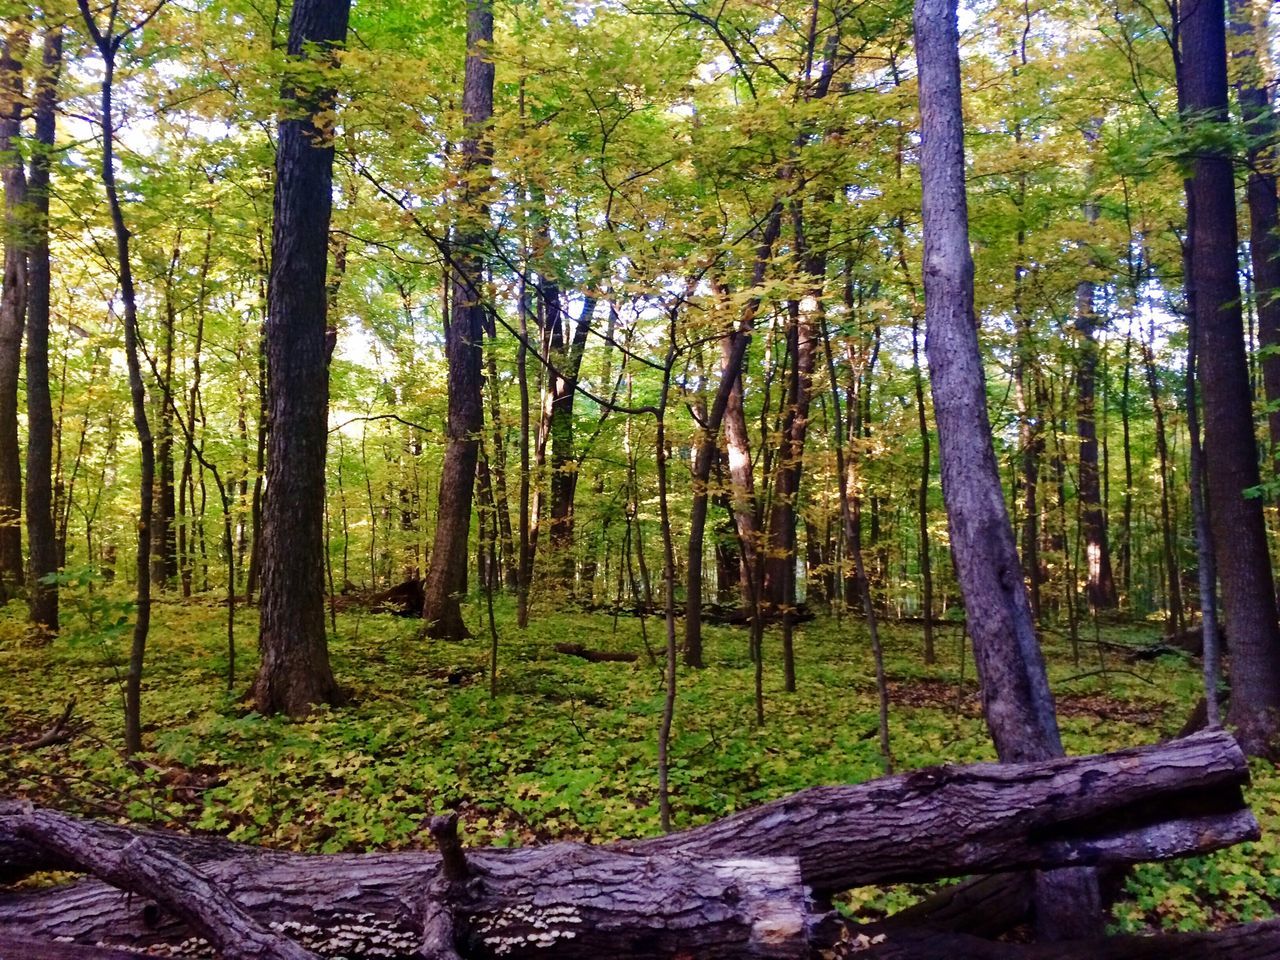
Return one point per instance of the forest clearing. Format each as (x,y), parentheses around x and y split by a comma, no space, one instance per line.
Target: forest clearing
(639,478)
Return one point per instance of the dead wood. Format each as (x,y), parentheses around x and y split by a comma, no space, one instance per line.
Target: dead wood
(736,887)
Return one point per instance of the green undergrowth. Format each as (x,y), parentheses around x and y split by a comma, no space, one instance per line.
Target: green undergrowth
(568,748)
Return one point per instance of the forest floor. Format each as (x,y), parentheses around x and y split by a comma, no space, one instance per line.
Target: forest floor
(568,748)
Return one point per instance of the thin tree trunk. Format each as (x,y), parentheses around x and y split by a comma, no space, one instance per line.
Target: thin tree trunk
(733,348)
(41,535)
(922,504)
(1101,582)
(13,300)
(164,566)
(524,566)
(1172,569)
(1207,568)
(108,44)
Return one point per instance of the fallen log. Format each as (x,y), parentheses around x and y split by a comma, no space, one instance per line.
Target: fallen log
(139,866)
(1147,803)
(984,906)
(596,656)
(13,948)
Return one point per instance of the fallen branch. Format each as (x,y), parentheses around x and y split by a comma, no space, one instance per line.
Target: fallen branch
(139,866)
(596,656)
(59,731)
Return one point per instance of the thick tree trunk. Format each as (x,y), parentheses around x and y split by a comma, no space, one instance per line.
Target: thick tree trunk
(41,535)
(1259,118)
(1015,688)
(447,575)
(295,672)
(1230,448)
(1145,803)
(13,301)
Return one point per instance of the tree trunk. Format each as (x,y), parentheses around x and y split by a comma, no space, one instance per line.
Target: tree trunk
(727,401)
(802,339)
(41,535)
(1015,689)
(13,301)
(164,546)
(447,575)
(1100,581)
(295,673)
(1230,449)
(1258,114)
(108,44)
(746,510)
(566,355)
(922,501)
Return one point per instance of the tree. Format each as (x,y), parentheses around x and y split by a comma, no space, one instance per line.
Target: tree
(1015,689)
(108,42)
(41,535)
(1258,114)
(1230,447)
(13,299)
(295,672)
(447,574)
(1100,582)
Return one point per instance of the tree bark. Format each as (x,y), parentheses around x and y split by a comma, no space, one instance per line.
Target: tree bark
(1230,448)
(727,401)
(164,545)
(41,535)
(108,45)
(1258,114)
(447,574)
(1100,582)
(295,673)
(1015,689)
(13,300)
(1135,805)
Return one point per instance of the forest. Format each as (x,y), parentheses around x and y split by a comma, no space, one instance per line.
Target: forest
(639,478)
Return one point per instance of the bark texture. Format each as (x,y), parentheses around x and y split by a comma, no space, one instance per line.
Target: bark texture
(1135,805)
(13,300)
(1230,448)
(1258,114)
(41,535)
(295,672)
(727,401)
(447,575)
(1016,699)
